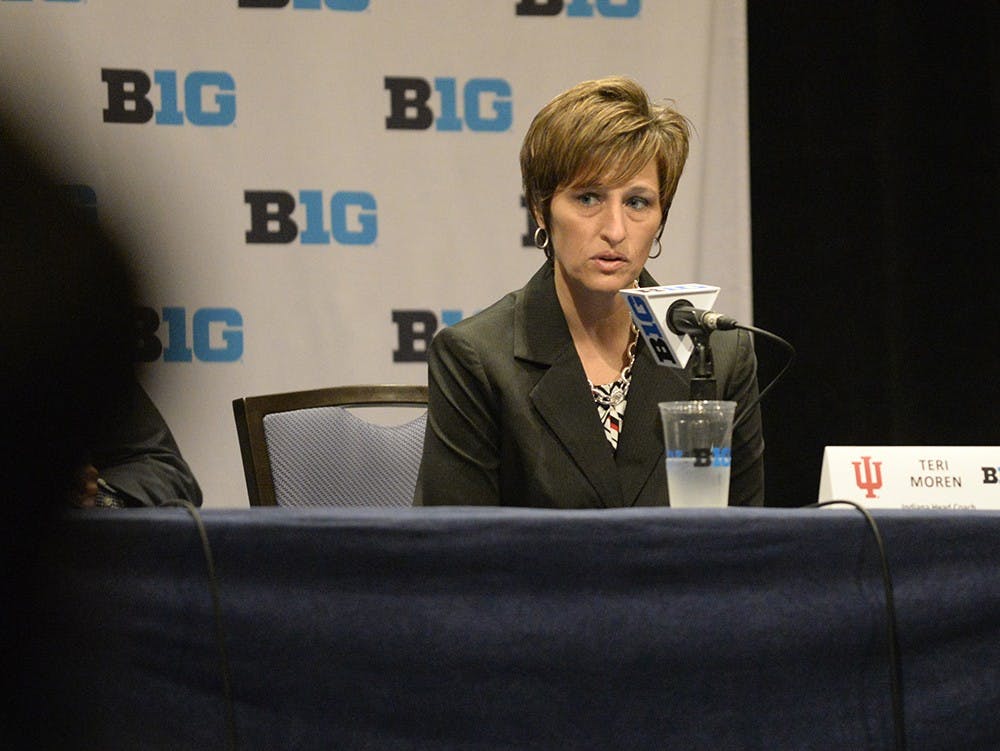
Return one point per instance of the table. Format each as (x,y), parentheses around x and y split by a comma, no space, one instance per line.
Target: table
(518,629)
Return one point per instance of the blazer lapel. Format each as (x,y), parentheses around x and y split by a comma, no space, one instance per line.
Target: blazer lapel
(640,446)
(561,395)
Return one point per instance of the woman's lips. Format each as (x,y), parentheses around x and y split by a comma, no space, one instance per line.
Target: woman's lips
(609,262)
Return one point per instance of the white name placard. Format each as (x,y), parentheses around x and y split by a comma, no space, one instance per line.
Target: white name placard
(949,478)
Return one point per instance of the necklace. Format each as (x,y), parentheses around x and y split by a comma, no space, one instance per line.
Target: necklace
(614,393)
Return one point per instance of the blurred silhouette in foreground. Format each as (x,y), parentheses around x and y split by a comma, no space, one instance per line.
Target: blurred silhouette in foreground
(65,365)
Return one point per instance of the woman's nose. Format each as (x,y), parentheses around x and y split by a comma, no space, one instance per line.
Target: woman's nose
(613,229)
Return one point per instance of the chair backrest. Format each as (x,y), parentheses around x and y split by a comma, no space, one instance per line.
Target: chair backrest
(307,448)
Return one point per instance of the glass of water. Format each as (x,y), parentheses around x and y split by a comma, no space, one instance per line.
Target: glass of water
(698,438)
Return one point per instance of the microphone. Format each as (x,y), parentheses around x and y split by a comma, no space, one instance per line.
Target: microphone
(682,318)
(650,309)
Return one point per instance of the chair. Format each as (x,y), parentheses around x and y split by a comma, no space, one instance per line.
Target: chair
(307,448)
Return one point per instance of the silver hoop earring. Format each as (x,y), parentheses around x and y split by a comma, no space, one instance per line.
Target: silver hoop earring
(659,251)
(541,244)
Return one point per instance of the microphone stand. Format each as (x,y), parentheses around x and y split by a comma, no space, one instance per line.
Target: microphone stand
(703,384)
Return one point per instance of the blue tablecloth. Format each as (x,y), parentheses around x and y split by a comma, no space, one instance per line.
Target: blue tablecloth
(518,629)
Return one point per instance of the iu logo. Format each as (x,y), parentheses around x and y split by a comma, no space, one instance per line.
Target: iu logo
(868,483)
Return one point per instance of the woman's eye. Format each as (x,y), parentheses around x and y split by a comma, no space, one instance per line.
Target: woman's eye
(587,199)
(637,202)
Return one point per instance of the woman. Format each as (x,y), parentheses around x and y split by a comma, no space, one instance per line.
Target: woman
(548,398)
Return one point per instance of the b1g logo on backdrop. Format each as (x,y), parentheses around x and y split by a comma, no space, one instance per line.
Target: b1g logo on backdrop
(84,197)
(201,97)
(216,335)
(352,217)
(486,104)
(348,5)
(415,329)
(579,8)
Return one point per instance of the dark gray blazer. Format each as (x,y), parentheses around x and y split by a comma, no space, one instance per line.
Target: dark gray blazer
(511,420)
(140,456)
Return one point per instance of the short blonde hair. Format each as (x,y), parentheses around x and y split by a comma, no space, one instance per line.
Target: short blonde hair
(606,129)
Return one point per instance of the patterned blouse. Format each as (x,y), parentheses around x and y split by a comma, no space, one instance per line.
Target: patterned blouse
(611,398)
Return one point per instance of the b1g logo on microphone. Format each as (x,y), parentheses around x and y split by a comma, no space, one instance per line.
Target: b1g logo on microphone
(579,8)
(348,5)
(352,217)
(415,329)
(643,315)
(486,104)
(203,97)
(216,335)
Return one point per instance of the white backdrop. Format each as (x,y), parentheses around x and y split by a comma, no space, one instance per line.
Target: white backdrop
(426,222)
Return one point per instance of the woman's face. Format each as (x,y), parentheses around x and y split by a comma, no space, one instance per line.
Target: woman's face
(601,235)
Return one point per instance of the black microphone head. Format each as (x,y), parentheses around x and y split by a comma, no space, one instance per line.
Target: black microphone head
(682,318)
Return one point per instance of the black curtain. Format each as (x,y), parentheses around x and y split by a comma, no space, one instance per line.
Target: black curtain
(874,192)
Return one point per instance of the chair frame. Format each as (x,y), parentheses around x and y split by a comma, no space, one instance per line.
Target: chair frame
(249,412)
